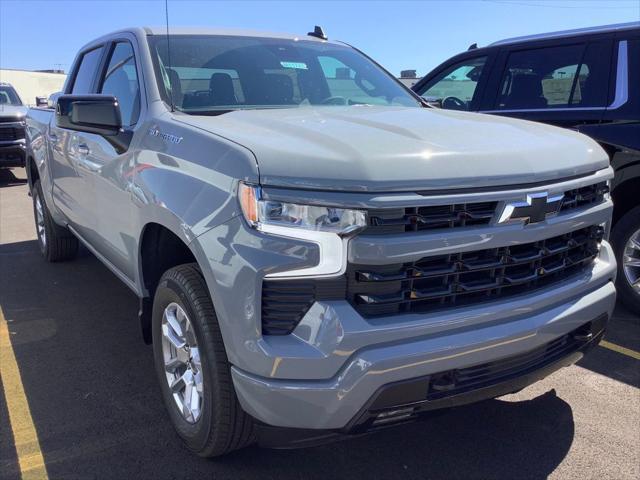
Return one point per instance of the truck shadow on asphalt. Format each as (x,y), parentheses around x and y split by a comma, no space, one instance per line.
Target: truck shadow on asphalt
(98,412)
(492,439)
(8,179)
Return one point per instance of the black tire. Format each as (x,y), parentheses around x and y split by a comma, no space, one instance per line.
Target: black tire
(222,425)
(627,226)
(58,244)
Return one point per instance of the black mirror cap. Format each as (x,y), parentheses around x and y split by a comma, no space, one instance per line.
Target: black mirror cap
(98,114)
(433,101)
(41,102)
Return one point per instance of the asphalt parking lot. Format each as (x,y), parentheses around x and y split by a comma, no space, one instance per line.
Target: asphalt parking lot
(96,412)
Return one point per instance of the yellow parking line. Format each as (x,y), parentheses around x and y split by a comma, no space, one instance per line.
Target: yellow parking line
(617,348)
(24,432)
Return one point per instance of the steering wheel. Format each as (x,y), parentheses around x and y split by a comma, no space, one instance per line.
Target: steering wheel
(453,103)
(334,100)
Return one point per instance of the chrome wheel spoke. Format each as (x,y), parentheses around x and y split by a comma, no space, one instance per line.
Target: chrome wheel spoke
(179,384)
(170,334)
(172,365)
(172,329)
(631,262)
(195,358)
(174,323)
(199,384)
(194,400)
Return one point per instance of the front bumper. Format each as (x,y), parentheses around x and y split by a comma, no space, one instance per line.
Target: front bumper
(13,154)
(335,403)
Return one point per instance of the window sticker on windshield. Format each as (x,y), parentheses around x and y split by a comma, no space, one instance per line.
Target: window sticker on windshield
(296,65)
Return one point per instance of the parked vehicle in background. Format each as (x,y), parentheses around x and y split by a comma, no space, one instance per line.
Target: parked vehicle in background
(12,123)
(317,253)
(587,80)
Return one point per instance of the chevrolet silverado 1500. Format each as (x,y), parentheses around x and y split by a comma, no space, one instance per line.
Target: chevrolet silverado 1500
(317,252)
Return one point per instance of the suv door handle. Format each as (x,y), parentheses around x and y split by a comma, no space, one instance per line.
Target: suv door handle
(83,149)
(53,137)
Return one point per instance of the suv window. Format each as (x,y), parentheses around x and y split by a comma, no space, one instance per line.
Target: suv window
(455,87)
(121,80)
(87,71)
(554,77)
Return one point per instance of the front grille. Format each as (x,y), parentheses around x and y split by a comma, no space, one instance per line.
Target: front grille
(11,133)
(584,196)
(437,282)
(414,219)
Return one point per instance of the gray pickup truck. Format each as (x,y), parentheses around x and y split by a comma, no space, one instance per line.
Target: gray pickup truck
(317,253)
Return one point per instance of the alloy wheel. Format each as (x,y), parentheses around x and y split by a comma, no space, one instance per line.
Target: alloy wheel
(631,261)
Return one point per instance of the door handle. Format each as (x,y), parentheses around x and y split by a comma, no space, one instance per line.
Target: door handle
(83,149)
(53,137)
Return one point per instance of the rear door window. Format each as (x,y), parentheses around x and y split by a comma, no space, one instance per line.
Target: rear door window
(83,82)
(555,77)
(592,84)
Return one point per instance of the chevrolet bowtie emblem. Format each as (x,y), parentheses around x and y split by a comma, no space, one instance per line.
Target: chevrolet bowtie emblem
(536,208)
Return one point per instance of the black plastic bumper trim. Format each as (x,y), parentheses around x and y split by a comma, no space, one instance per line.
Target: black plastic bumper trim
(411,394)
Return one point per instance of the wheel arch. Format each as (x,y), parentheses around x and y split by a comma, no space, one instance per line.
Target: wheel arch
(159,249)
(625,196)
(32,172)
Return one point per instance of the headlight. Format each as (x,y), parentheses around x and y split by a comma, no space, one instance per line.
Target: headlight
(259,212)
(328,227)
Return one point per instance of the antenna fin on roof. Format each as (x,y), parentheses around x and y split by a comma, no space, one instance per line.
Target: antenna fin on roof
(318,32)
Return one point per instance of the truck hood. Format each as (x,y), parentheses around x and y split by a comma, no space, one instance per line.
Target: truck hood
(393,149)
(12,112)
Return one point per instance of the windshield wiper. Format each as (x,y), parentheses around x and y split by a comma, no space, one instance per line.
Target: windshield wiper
(210,113)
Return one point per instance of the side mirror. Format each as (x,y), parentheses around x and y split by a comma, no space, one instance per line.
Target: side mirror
(98,114)
(41,102)
(53,99)
(432,101)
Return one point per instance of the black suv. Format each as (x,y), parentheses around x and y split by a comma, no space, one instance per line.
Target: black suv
(588,80)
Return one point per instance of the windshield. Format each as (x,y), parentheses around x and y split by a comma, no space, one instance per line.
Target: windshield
(8,96)
(221,73)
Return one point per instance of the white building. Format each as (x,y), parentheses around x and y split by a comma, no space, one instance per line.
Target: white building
(30,85)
